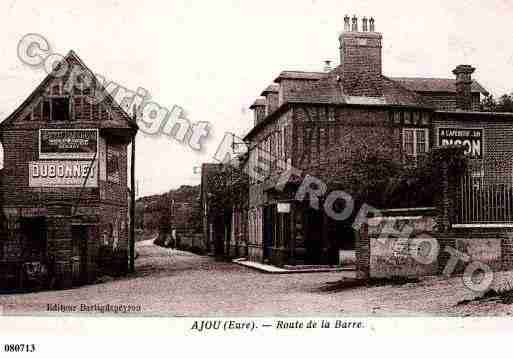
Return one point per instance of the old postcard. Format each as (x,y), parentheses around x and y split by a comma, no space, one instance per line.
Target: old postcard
(254,168)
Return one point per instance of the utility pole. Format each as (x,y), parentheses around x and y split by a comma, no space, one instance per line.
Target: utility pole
(131,263)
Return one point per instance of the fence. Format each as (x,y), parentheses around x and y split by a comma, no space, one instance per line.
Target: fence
(485,198)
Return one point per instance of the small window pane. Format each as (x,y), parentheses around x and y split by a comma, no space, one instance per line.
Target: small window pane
(46,110)
(60,109)
(407,117)
(408,142)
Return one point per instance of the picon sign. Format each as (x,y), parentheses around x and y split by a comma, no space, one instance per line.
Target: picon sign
(470,138)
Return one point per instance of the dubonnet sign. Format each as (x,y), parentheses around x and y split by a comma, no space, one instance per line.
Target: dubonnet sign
(62,174)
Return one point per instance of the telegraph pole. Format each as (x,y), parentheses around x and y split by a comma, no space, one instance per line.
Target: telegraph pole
(131,263)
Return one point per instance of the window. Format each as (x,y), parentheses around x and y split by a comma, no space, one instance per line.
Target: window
(59,109)
(113,160)
(397,117)
(415,143)
(407,118)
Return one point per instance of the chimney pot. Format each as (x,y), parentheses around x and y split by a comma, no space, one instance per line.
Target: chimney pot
(347,25)
(355,24)
(371,25)
(364,24)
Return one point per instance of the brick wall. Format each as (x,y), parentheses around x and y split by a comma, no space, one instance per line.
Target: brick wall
(325,137)
(21,147)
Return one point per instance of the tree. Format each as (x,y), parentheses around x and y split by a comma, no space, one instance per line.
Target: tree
(489,104)
(503,104)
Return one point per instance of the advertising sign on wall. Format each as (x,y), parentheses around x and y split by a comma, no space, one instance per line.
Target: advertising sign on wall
(470,138)
(68,143)
(63,174)
(283,207)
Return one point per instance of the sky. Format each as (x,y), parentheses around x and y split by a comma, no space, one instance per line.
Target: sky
(213,58)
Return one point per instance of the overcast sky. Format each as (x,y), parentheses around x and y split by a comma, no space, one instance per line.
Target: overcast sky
(214,57)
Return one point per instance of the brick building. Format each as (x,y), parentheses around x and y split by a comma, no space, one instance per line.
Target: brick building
(64,182)
(319,122)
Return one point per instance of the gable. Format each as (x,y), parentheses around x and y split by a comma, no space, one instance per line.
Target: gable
(88,104)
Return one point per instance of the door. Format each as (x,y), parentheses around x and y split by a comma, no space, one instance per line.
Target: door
(313,236)
(80,236)
(268,232)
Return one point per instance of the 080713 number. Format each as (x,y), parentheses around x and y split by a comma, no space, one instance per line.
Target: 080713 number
(18,348)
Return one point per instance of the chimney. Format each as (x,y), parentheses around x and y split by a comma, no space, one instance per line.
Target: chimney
(258,107)
(327,66)
(464,87)
(360,58)
(364,24)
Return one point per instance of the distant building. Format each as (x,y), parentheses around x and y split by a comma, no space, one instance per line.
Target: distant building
(64,182)
(212,214)
(224,201)
(318,122)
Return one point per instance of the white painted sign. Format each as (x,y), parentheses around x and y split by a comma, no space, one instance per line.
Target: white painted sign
(68,143)
(283,207)
(470,138)
(63,174)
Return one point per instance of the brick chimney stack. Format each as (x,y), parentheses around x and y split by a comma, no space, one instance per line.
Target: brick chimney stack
(360,58)
(464,86)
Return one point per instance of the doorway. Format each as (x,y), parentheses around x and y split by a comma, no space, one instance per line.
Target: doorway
(80,237)
(313,222)
(268,232)
(33,232)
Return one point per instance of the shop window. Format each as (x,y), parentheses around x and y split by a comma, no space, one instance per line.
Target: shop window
(415,143)
(59,108)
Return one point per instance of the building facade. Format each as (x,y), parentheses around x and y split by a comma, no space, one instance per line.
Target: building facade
(322,123)
(64,182)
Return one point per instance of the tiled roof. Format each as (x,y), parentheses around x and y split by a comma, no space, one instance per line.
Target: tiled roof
(330,92)
(300,75)
(273,88)
(435,84)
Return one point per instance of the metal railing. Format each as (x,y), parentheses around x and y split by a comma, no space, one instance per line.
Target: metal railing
(484,200)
